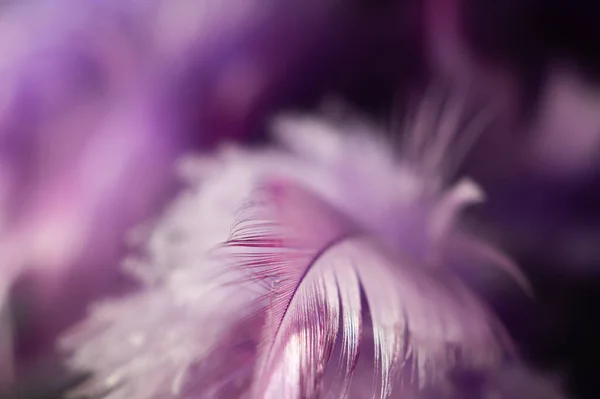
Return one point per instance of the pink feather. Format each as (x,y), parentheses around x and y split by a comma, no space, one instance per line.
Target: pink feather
(317,261)
(344,248)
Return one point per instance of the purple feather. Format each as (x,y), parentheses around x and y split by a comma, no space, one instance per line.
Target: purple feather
(345,248)
(317,262)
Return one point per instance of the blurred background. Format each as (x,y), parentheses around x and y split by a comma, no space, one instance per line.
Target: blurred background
(98,99)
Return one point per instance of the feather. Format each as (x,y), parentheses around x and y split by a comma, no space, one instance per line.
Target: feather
(344,245)
(317,261)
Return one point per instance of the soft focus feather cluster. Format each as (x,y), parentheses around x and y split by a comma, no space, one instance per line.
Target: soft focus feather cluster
(341,237)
